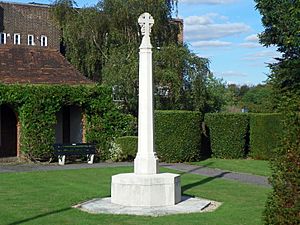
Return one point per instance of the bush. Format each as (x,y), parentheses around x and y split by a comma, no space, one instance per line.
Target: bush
(265,134)
(177,135)
(228,134)
(128,146)
(283,203)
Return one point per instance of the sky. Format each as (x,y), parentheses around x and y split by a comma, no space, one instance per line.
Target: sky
(225,32)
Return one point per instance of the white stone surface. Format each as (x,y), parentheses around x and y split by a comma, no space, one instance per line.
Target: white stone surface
(146,190)
(187,205)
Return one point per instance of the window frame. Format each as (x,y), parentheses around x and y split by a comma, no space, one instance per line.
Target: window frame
(4,39)
(19,39)
(44,38)
(28,40)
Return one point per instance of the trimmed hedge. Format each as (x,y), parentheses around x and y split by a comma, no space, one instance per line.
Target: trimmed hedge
(128,145)
(177,135)
(265,133)
(228,134)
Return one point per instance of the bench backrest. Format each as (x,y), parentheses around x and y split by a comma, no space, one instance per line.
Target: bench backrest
(74,149)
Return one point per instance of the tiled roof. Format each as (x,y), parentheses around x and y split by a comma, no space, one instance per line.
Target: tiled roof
(34,65)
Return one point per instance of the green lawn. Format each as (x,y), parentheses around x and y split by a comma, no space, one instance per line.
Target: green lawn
(257,167)
(43,198)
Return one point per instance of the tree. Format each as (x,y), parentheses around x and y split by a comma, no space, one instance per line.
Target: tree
(102,42)
(281,22)
(258,99)
(84,35)
(88,34)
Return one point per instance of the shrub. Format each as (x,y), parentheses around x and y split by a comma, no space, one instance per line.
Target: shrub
(228,134)
(115,152)
(283,203)
(128,146)
(265,133)
(177,135)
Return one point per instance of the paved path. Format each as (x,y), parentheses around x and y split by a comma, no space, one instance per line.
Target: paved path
(217,173)
(182,167)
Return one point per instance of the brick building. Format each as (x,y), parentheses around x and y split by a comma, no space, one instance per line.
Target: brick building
(28,24)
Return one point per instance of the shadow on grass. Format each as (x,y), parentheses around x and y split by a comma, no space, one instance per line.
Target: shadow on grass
(201,182)
(40,216)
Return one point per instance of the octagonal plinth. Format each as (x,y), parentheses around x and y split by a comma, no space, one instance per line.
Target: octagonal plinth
(131,189)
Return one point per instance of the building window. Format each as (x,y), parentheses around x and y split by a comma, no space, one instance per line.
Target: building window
(30,39)
(2,38)
(44,41)
(17,39)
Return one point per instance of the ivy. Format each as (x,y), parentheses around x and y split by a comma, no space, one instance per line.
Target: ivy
(37,105)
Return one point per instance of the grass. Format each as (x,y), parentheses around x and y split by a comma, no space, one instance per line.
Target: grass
(257,167)
(46,198)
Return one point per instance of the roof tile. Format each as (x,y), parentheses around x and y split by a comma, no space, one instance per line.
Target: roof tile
(36,65)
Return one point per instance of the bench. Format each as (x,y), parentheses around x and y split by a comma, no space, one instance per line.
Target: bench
(75,149)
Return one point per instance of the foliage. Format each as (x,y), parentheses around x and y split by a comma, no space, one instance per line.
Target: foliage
(90,34)
(128,146)
(265,134)
(102,42)
(258,99)
(281,22)
(255,99)
(228,134)
(37,105)
(115,152)
(187,79)
(283,204)
(217,96)
(83,35)
(286,81)
(178,135)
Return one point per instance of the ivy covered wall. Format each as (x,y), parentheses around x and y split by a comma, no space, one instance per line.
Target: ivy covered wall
(37,105)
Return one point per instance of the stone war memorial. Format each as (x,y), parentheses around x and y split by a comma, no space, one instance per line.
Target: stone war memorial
(146,186)
(146,191)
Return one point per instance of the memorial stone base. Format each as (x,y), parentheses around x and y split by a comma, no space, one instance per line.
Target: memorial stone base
(130,189)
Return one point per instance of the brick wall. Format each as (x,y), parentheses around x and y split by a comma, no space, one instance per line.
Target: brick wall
(179,23)
(28,19)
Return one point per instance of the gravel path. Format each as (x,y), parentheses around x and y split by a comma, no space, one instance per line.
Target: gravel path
(182,167)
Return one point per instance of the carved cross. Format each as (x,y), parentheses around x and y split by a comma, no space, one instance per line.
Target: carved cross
(146,22)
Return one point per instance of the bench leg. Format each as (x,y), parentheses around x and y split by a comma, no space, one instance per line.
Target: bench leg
(90,158)
(61,160)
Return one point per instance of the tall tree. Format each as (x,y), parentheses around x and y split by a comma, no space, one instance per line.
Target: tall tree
(281,22)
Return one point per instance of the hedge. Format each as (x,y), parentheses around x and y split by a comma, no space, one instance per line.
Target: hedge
(177,135)
(37,105)
(128,145)
(228,134)
(265,134)
(282,206)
